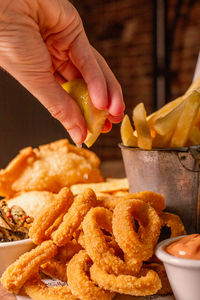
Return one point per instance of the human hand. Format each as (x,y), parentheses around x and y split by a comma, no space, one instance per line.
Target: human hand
(43,44)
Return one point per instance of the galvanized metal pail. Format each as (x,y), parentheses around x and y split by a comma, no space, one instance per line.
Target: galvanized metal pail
(175,173)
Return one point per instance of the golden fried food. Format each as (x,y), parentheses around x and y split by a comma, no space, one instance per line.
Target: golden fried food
(55,269)
(138,245)
(33,202)
(49,168)
(102,187)
(96,251)
(74,217)
(28,264)
(38,290)
(97,247)
(66,252)
(145,283)
(79,282)
(157,201)
(160,270)
(173,222)
(174,125)
(49,215)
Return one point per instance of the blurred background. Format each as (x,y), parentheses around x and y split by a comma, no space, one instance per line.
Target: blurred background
(151,46)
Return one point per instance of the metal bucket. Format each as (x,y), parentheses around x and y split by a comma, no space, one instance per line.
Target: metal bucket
(172,172)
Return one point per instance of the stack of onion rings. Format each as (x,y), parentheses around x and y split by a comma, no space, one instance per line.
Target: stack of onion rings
(97,251)
(96,246)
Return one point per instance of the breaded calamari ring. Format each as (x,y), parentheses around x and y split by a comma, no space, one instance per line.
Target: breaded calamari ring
(36,289)
(79,282)
(146,283)
(108,201)
(54,226)
(156,200)
(173,222)
(136,245)
(55,269)
(160,270)
(112,244)
(47,218)
(74,217)
(27,264)
(66,252)
(97,247)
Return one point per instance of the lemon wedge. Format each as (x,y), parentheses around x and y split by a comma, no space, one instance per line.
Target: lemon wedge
(94,117)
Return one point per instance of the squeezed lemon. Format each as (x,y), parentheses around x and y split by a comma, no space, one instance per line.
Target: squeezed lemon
(94,117)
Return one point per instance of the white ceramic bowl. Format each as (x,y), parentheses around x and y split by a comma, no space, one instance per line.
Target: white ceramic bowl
(10,251)
(183,274)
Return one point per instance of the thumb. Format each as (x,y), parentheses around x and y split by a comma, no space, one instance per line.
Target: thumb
(60,104)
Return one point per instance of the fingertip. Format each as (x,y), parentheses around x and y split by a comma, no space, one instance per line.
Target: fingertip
(116,119)
(78,134)
(116,107)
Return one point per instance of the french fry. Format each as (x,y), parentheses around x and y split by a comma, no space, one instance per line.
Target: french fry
(162,141)
(142,127)
(163,111)
(194,136)
(111,179)
(127,134)
(186,120)
(167,124)
(101,187)
(177,124)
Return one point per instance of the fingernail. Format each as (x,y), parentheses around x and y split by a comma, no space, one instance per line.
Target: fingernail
(76,135)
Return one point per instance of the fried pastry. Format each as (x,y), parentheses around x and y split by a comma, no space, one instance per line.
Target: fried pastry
(49,168)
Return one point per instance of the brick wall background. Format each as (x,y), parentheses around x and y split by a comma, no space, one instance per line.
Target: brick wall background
(122,32)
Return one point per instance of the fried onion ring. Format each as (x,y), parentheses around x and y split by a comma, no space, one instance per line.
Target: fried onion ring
(22,269)
(73,218)
(47,218)
(138,245)
(98,249)
(160,270)
(55,269)
(36,289)
(66,252)
(157,201)
(146,283)
(173,222)
(79,282)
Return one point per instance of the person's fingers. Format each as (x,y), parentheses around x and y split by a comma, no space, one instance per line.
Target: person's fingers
(116,119)
(65,69)
(116,104)
(107,126)
(84,60)
(61,105)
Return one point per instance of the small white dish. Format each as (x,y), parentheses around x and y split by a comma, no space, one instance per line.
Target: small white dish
(183,273)
(10,251)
